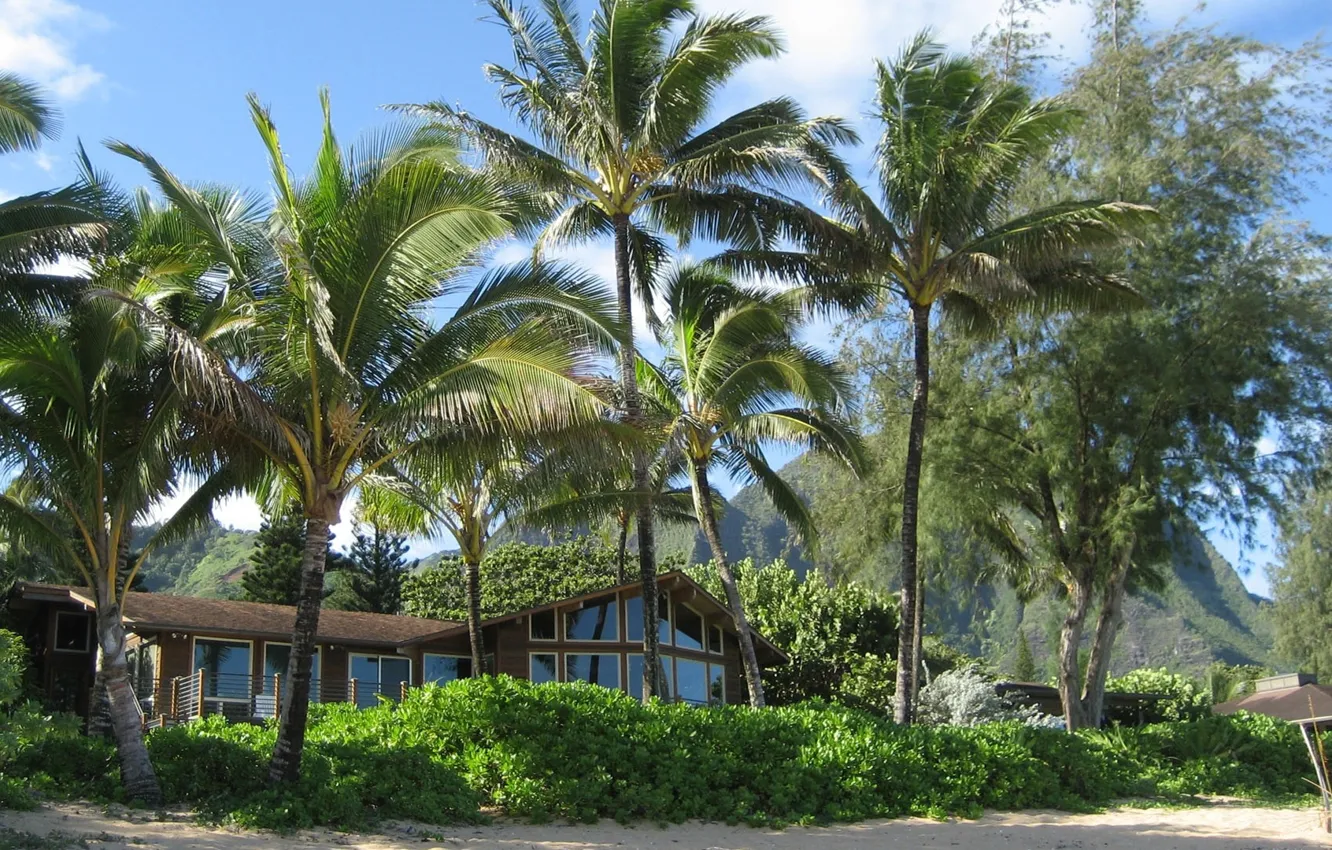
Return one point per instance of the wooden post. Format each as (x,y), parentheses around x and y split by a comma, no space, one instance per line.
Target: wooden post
(175,698)
(199,692)
(277,694)
(352,688)
(402,691)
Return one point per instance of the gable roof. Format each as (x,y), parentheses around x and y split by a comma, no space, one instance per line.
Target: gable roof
(163,612)
(1295,704)
(667,582)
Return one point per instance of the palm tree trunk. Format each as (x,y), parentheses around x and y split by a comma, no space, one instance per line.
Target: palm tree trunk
(633,414)
(1070,639)
(707,517)
(136,769)
(906,639)
(621,551)
(285,765)
(472,569)
(917,651)
(1108,622)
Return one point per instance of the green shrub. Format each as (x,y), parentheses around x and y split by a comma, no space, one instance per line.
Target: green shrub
(581,752)
(1186,699)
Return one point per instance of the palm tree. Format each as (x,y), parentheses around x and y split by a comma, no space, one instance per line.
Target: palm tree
(622,152)
(954,145)
(93,425)
(42,227)
(345,375)
(735,380)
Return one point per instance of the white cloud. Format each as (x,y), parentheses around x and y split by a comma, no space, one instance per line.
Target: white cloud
(37,40)
(44,160)
(1266,446)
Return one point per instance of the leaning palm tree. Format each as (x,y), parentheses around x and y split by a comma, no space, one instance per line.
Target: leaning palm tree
(735,380)
(95,430)
(954,146)
(622,152)
(346,375)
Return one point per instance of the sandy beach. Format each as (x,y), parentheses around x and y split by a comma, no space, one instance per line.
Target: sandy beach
(1217,827)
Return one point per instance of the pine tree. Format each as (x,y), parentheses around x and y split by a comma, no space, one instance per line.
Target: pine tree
(374,572)
(1024,669)
(274,574)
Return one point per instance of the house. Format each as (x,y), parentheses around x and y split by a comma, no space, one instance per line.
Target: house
(1293,697)
(191,656)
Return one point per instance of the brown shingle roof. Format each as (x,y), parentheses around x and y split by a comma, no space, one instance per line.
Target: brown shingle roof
(163,612)
(1286,703)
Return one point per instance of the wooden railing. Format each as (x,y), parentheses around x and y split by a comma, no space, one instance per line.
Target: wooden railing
(250,698)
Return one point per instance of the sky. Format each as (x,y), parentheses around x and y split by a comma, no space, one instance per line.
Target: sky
(171,77)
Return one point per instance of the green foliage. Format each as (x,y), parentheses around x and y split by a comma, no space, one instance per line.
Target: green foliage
(966,697)
(1024,669)
(1225,682)
(274,574)
(514,577)
(1186,698)
(207,562)
(1302,584)
(348,778)
(371,576)
(828,631)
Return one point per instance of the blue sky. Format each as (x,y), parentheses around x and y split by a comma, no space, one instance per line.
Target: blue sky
(171,77)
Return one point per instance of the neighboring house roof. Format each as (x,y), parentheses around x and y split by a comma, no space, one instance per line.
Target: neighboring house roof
(1295,704)
(164,612)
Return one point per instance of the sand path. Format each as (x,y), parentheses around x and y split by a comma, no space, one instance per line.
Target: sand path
(1219,827)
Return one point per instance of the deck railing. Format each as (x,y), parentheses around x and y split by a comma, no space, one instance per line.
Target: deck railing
(243,698)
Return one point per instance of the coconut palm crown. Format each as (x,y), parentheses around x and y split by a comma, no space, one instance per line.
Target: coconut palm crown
(735,381)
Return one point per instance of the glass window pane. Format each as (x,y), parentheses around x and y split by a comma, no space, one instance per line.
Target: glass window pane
(276,658)
(543,667)
(393,673)
(635,684)
(445,668)
(543,625)
(691,681)
(633,619)
(688,628)
(664,621)
(365,670)
(226,666)
(599,669)
(668,675)
(715,639)
(717,684)
(596,620)
(71,631)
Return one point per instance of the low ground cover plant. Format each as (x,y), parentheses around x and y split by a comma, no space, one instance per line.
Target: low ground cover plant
(582,752)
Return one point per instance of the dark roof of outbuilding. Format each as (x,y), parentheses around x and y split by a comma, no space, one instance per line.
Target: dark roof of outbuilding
(164,612)
(1294,704)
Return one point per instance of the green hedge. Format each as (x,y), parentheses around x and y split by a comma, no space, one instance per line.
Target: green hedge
(582,752)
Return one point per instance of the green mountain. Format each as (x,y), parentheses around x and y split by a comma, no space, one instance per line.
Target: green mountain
(1204,613)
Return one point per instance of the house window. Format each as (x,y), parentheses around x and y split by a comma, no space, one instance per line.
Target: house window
(438,669)
(542,625)
(633,619)
(716,684)
(276,658)
(544,668)
(635,684)
(225,665)
(599,669)
(379,675)
(72,629)
(688,628)
(691,681)
(715,640)
(596,620)
(142,661)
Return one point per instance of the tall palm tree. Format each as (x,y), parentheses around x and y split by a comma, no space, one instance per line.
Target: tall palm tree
(345,375)
(734,381)
(93,424)
(954,145)
(622,151)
